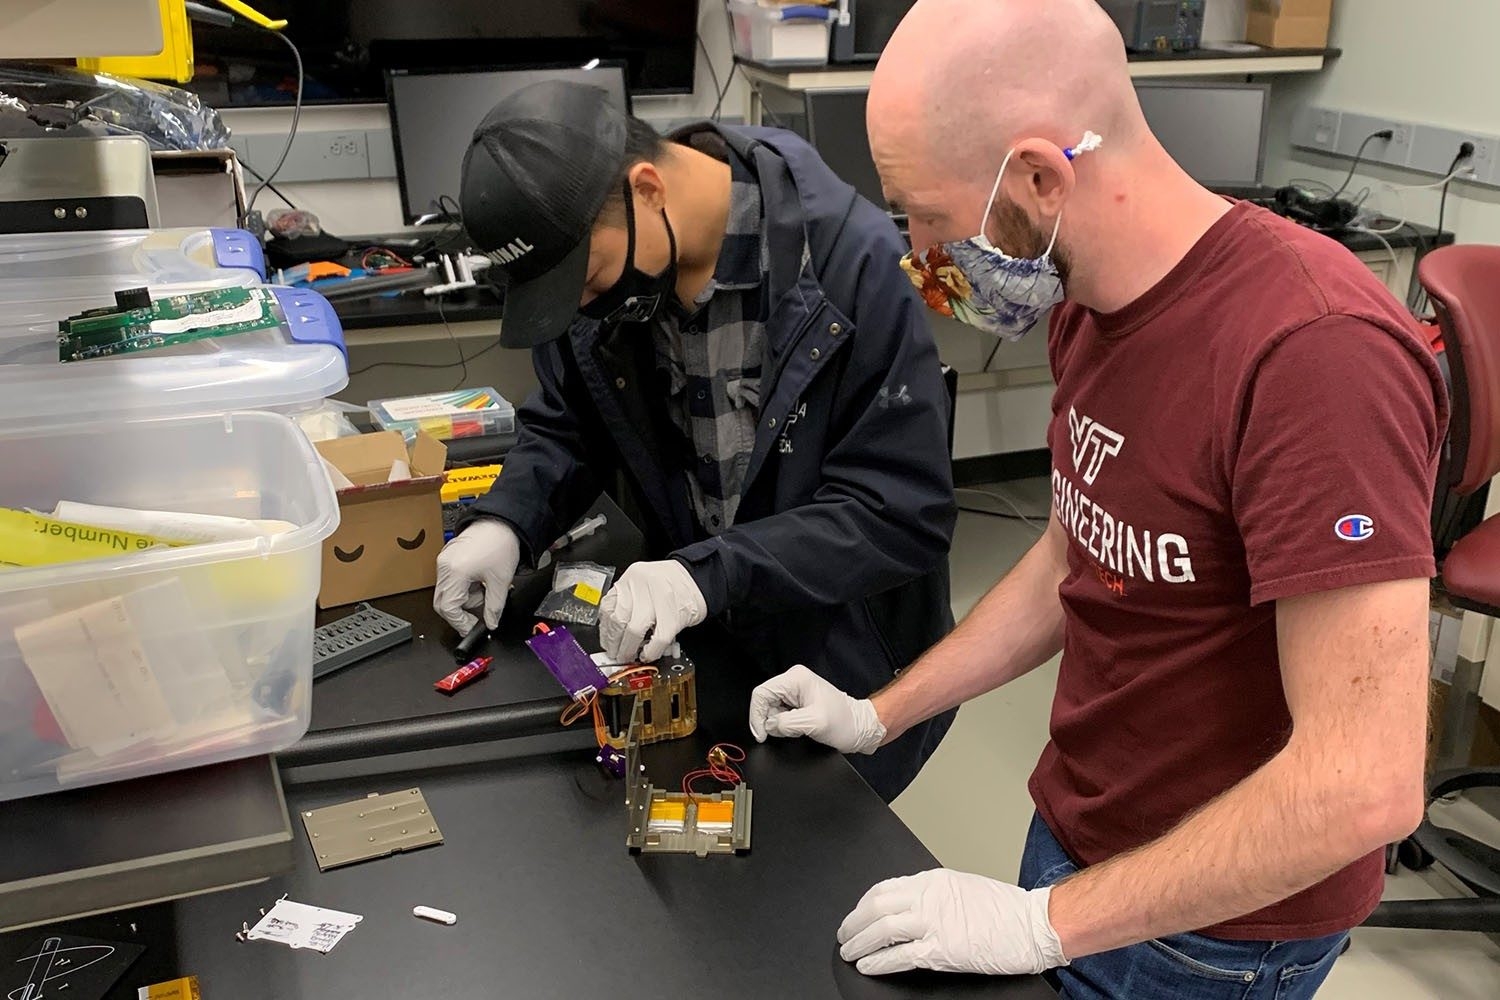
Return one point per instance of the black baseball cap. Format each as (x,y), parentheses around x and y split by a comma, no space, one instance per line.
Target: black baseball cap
(536,174)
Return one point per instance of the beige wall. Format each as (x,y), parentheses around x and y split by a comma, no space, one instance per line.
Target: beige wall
(1430,62)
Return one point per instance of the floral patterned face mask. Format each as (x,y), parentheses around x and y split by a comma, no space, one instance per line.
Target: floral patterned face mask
(977,283)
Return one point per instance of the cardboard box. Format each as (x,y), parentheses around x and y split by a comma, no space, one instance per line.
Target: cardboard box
(1289,24)
(389,534)
(199,188)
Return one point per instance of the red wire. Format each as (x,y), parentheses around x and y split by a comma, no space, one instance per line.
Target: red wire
(722,771)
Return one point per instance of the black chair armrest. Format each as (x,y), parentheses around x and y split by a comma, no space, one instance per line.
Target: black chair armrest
(1462,779)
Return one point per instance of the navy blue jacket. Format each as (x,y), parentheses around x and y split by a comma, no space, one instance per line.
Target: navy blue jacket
(839,555)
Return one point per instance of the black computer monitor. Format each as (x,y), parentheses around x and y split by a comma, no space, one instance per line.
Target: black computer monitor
(434,112)
(1215,131)
(833,122)
(836,129)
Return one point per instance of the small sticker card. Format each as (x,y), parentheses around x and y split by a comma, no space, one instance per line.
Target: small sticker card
(298,925)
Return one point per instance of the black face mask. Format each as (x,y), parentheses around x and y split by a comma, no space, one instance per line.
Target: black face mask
(637,296)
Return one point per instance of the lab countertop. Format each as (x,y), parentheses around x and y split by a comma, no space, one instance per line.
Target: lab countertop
(533,859)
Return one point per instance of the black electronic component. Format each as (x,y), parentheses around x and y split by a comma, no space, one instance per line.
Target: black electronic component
(1158,25)
(464,651)
(132,298)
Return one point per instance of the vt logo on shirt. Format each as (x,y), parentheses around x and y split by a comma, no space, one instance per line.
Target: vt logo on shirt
(1092,444)
(1123,551)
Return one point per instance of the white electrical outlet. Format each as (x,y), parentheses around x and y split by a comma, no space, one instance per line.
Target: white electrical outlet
(1434,149)
(1354,130)
(1316,128)
(1428,149)
(314,156)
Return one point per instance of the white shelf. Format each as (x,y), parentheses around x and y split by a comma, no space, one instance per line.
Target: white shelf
(822,78)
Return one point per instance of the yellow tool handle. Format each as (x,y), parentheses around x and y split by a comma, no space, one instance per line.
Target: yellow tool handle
(250,13)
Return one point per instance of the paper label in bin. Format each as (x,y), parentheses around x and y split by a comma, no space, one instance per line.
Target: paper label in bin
(94,674)
(131,670)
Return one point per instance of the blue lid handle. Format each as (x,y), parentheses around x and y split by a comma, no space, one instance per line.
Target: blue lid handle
(806,12)
(237,248)
(310,318)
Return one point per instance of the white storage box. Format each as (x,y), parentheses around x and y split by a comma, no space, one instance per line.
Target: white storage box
(782,35)
(167,658)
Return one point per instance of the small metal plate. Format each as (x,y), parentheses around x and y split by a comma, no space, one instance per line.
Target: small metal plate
(372,827)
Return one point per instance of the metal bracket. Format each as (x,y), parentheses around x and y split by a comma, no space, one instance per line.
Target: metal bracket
(640,793)
(372,827)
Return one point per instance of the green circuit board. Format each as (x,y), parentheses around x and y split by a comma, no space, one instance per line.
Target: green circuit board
(136,323)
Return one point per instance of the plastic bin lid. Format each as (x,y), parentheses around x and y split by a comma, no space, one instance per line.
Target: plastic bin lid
(143,256)
(295,366)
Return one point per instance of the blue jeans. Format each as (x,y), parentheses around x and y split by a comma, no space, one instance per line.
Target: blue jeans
(1183,966)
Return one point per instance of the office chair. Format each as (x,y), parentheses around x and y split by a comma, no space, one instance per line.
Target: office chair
(1463,283)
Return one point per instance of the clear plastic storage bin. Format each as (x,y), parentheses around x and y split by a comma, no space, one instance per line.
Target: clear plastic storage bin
(790,35)
(446,416)
(166,658)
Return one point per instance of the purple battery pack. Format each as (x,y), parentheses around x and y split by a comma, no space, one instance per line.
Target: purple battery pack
(568,662)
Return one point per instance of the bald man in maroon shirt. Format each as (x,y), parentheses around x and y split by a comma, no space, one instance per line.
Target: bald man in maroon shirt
(1244,440)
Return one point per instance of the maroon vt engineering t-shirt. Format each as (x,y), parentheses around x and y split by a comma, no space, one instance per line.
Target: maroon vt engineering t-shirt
(1264,423)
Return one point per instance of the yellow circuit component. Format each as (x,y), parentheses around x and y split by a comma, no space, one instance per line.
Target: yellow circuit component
(667,816)
(665,809)
(471,482)
(713,813)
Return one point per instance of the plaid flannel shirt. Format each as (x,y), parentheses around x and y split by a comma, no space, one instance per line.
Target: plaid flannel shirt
(711,360)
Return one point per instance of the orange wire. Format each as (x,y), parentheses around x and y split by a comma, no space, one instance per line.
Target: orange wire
(591,706)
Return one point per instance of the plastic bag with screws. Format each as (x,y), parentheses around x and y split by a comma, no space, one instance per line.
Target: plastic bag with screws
(577,589)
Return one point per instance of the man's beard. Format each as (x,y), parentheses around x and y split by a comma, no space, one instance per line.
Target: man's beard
(1019,237)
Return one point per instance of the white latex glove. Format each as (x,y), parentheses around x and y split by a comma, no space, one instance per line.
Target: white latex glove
(800,703)
(951,922)
(474,571)
(654,599)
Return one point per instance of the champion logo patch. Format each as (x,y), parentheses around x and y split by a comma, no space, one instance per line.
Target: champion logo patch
(1354,528)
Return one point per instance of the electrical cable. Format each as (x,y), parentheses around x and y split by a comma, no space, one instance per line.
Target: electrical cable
(450,229)
(728,82)
(590,704)
(1381,236)
(765,111)
(462,361)
(291,133)
(1308,182)
(991,359)
(1462,156)
(1019,515)
(712,72)
(464,376)
(269,186)
(456,212)
(1385,134)
(722,758)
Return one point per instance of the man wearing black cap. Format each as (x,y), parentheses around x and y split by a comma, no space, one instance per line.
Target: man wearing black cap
(724,340)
